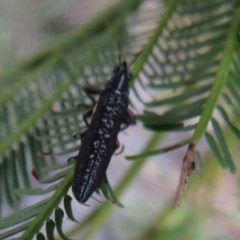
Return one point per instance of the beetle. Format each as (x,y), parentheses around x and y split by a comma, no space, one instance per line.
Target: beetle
(110,115)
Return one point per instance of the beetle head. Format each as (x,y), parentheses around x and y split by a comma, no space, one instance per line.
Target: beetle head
(119,81)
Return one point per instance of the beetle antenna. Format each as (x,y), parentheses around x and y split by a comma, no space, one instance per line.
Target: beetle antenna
(119,53)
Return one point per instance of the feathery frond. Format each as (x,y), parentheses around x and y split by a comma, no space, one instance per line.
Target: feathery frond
(185,64)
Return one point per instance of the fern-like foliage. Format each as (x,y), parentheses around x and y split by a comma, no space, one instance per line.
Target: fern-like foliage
(185,65)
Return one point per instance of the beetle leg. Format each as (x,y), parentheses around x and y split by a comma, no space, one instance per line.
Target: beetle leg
(91,91)
(128,119)
(117,147)
(83,106)
(80,135)
(87,115)
(71,159)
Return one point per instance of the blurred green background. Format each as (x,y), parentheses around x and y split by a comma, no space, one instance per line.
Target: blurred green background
(210,206)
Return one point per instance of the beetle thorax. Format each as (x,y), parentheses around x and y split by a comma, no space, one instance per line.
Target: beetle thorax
(119,83)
